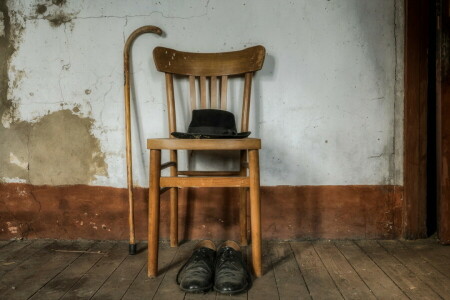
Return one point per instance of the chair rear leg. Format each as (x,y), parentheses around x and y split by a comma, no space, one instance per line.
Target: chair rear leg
(174,202)
(243,215)
(174,217)
(255,211)
(154,207)
(243,201)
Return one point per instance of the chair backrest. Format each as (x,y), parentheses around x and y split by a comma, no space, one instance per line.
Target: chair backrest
(216,67)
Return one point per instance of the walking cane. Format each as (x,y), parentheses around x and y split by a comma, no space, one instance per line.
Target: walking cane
(126,62)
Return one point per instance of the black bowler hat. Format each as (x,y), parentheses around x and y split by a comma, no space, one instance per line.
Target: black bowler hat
(211,124)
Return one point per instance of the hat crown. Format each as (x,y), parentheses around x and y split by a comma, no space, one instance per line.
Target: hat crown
(212,121)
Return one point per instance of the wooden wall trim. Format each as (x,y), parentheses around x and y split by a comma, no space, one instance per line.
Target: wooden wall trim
(288,212)
(415,119)
(443,120)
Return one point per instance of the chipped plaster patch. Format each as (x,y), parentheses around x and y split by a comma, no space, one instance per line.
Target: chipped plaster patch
(56,149)
(64,151)
(13,180)
(11,228)
(16,161)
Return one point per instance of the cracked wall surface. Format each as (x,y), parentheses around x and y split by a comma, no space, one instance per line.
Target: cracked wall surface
(328,103)
(56,148)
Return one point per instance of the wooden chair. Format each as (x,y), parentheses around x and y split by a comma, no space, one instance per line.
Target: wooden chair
(217,67)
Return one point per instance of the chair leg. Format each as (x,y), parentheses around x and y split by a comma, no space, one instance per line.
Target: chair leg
(243,215)
(255,211)
(153,212)
(173,204)
(174,217)
(243,202)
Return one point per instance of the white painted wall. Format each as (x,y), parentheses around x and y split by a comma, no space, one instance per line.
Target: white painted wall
(327,104)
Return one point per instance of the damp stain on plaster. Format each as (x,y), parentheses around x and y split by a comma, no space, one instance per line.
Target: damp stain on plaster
(9,40)
(58,149)
(64,151)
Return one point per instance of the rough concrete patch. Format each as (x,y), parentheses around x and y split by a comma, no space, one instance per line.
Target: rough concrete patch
(63,151)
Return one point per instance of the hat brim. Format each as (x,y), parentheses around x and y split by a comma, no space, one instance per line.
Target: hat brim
(186,135)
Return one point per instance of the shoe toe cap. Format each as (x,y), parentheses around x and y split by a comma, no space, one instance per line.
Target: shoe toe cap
(230,286)
(194,285)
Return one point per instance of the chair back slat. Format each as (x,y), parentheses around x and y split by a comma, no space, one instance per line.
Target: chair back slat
(213,92)
(203,103)
(223,92)
(192,92)
(246,101)
(209,64)
(171,103)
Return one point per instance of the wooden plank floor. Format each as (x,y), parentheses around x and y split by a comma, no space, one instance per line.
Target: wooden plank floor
(364,269)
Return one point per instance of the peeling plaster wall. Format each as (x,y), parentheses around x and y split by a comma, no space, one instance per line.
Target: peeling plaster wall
(328,103)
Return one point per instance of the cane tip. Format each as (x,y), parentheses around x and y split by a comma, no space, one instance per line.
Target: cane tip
(132,249)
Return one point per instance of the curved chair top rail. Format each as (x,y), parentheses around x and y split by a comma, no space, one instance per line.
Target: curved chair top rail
(209,64)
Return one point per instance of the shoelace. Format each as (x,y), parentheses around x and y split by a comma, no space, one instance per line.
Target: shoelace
(229,258)
(198,261)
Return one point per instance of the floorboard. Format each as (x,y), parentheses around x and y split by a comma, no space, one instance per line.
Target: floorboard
(317,278)
(266,285)
(289,279)
(344,276)
(11,247)
(378,282)
(168,289)
(437,255)
(363,269)
(144,287)
(13,258)
(4,243)
(41,268)
(408,282)
(59,285)
(437,281)
(120,280)
(92,280)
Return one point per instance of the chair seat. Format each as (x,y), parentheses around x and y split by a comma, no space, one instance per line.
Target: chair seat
(203,144)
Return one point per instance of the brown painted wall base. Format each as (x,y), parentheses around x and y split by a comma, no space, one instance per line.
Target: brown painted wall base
(288,212)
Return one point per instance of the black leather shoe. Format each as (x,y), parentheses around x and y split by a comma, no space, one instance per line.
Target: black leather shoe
(198,272)
(231,275)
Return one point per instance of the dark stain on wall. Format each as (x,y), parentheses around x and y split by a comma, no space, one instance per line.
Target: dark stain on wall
(59,18)
(41,9)
(54,13)
(6,50)
(55,149)
(59,2)
(58,149)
